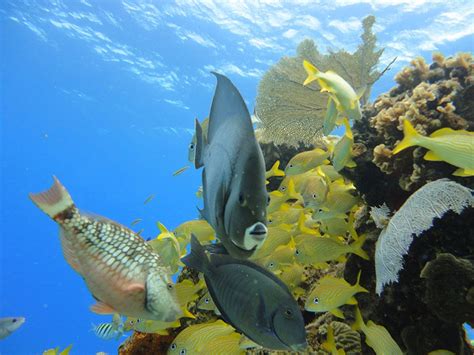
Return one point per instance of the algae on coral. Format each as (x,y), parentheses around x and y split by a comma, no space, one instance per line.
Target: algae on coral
(292,113)
(416,215)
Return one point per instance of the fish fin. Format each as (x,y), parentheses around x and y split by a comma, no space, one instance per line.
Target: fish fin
(199,148)
(66,350)
(444,132)
(102,308)
(464,172)
(351,164)
(431,156)
(53,201)
(357,286)
(330,117)
(134,288)
(312,72)
(187,314)
(359,321)
(337,312)
(360,92)
(410,137)
(356,248)
(197,258)
(216,248)
(162,228)
(351,300)
(68,252)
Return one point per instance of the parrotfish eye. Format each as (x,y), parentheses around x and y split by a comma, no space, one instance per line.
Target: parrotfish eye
(315,300)
(173,346)
(169,285)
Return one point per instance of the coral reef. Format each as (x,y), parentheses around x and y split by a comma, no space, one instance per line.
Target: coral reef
(290,112)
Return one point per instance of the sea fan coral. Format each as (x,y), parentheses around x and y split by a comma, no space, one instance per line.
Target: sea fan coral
(292,113)
(416,216)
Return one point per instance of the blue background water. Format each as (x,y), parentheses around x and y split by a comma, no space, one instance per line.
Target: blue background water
(103,95)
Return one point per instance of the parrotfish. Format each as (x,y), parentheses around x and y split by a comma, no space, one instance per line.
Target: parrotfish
(340,91)
(9,324)
(445,144)
(120,269)
(305,161)
(330,293)
(251,299)
(376,336)
(235,196)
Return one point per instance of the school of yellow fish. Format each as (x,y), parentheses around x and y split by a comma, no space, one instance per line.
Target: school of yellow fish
(310,223)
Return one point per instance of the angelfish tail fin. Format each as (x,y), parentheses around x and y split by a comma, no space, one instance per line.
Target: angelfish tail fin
(410,137)
(53,201)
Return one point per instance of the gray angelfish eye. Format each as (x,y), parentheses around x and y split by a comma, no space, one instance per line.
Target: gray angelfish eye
(191,146)
(315,300)
(288,313)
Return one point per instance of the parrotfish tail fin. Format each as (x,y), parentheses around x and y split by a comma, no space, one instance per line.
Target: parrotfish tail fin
(358,287)
(359,321)
(199,148)
(410,139)
(53,201)
(357,248)
(312,72)
(197,258)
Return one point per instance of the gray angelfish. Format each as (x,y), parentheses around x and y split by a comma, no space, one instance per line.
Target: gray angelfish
(234,192)
(251,299)
(9,325)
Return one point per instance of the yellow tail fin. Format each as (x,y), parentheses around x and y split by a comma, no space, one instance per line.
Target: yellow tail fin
(359,321)
(410,139)
(356,248)
(312,72)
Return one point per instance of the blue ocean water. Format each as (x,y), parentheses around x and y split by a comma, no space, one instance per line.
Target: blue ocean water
(103,95)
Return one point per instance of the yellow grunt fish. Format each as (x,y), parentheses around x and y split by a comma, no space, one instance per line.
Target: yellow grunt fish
(149,326)
(330,293)
(330,344)
(224,345)
(277,198)
(305,161)
(199,227)
(286,214)
(120,269)
(340,91)
(206,303)
(445,144)
(167,245)
(376,336)
(342,154)
(274,171)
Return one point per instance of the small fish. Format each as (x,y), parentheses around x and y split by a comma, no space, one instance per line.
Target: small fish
(9,324)
(274,171)
(286,214)
(167,246)
(340,91)
(251,299)
(235,196)
(109,331)
(149,199)
(283,255)
(376,336)
(206,303)
(330,118)
(329,171)
(278,198)
(192,145)
(149,326)
(315,191)
(445,144)
(330,344)
(181,170)
(199,192)
(305,161)
(312,249)
(342,153)
(57,352)
(136,221)
(187,291)
(199,227)
(292,275)
(120,269)
(224,345)
(277,236)
(194,338)
(330,293)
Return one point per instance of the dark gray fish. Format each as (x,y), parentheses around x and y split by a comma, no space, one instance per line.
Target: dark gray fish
(251,299)
(234,192)
(9,324)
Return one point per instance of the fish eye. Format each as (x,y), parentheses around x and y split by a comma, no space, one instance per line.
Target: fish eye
(182,352)
(242,199)
(173,346)
(297,252)
(14,320)
(132,322)
(138,321)
(206,300)
(271,264)
(282,188)
(268,200)
(288,313)
(290,165)
(191,146)
(270,220)
(169,285)
(316,300)
(314,196)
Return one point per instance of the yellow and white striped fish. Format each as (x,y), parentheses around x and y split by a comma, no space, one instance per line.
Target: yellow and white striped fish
(108,331)
(120,269)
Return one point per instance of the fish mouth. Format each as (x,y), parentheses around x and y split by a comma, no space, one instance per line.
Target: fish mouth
(255,235)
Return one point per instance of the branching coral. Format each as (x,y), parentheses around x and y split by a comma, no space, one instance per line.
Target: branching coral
(292,113)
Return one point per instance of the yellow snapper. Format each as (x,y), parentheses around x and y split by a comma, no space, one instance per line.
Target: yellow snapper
(224,345)
(283,255)
(376,336)
(334,226)
(305,161)
(167,245)
(311,249)
(330,293)
(330,172)
(56,351)
(206,303)
(330,118)
(120,269)
(340,91)
(193,339)
(445,144)
(149,326)
(274,171)
(277,198)
(342,153)
(187,291)
(330,344)
(199,227)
